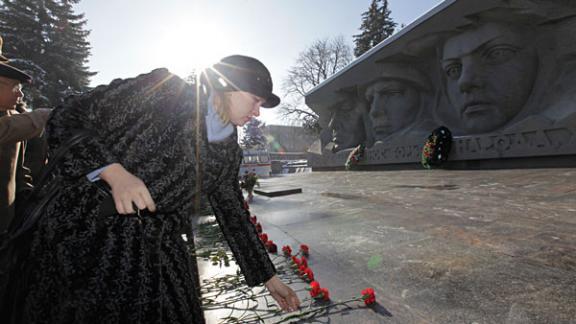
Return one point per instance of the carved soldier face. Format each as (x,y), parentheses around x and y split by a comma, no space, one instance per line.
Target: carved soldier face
(393,105)
(489,74)
(347,126)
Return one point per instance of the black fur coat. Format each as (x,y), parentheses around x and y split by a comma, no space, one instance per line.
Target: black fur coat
(84,268)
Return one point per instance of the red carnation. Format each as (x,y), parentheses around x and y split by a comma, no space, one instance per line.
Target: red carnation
(368,296)
(253,219)
(264,237)
(271,246)
(325,294)
(304,249)
(314,289)
(304,261)
(295,260)
(302,269)
(246,206)
(287,250)
(258,228)
(309,274)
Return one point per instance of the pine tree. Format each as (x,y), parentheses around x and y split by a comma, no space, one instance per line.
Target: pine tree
(377,25)
(67,51)
(21,27)
(253,135)
(47,40)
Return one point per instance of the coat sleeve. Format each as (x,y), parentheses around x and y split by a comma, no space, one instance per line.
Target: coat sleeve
(113,113)
(21,127)
(228,207)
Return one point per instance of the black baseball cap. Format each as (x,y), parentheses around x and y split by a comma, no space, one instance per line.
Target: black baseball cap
(243,73)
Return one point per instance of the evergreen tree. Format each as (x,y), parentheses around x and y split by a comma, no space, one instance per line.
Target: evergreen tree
(377,25)
(21,27)
(67,51)
(253,135)
(47,40)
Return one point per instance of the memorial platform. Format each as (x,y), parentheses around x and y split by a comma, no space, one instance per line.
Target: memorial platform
(492,246)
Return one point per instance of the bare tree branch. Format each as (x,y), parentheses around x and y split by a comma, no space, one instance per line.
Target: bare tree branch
(316,63)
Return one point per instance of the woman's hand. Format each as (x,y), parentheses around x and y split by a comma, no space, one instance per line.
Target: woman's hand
(127,190)
(284,295)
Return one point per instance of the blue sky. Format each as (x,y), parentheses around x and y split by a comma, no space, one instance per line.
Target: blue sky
(129,37)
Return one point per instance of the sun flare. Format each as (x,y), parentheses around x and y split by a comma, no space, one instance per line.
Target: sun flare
(193,44)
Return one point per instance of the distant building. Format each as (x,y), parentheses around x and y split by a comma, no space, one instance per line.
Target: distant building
(290,140)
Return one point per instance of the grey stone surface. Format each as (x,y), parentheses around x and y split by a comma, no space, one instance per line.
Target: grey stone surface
(437,246)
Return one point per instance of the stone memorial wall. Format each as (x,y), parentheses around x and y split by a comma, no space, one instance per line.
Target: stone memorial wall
(500,74)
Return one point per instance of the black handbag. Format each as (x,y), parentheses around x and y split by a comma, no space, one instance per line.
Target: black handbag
(15,243)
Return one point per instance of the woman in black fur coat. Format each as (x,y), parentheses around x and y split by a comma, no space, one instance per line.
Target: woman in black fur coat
(158,143)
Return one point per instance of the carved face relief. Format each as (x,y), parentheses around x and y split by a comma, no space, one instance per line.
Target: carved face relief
(347,126)
(489,71)
(394,105)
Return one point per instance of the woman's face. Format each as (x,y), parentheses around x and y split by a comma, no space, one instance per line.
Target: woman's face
(243,106)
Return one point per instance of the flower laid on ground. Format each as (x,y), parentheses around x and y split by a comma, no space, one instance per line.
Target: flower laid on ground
(309,274)
(304,261)
(264,238)
(258,228)
(295,261)
(271,246)
(324,294)
(287,250)
(253,219)
(304,250)
(314,289)
(301,269)
(368,296)
(318,292)
(246,206)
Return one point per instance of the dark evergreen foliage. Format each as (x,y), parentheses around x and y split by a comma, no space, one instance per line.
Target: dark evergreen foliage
(377,25)
(253,135)
(48,40)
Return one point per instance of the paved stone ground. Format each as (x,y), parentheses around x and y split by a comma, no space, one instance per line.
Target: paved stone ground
(495,246)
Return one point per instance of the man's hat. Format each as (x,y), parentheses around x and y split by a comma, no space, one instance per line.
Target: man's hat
(11,72)
(243,73)
(2,57)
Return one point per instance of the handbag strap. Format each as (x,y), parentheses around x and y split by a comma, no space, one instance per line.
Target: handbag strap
(76,138)
(25,221)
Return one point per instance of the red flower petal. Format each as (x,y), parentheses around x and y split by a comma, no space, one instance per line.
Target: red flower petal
(325,293)
(271,247)
(309,274)
(264,237)
(287,250)
(368,296)
(304,249)
(304,261)
(295,260)
(314,289)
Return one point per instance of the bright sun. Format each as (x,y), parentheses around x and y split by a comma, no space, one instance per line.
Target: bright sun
(192,44)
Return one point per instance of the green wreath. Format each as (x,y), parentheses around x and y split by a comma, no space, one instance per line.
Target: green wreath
(437,148)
